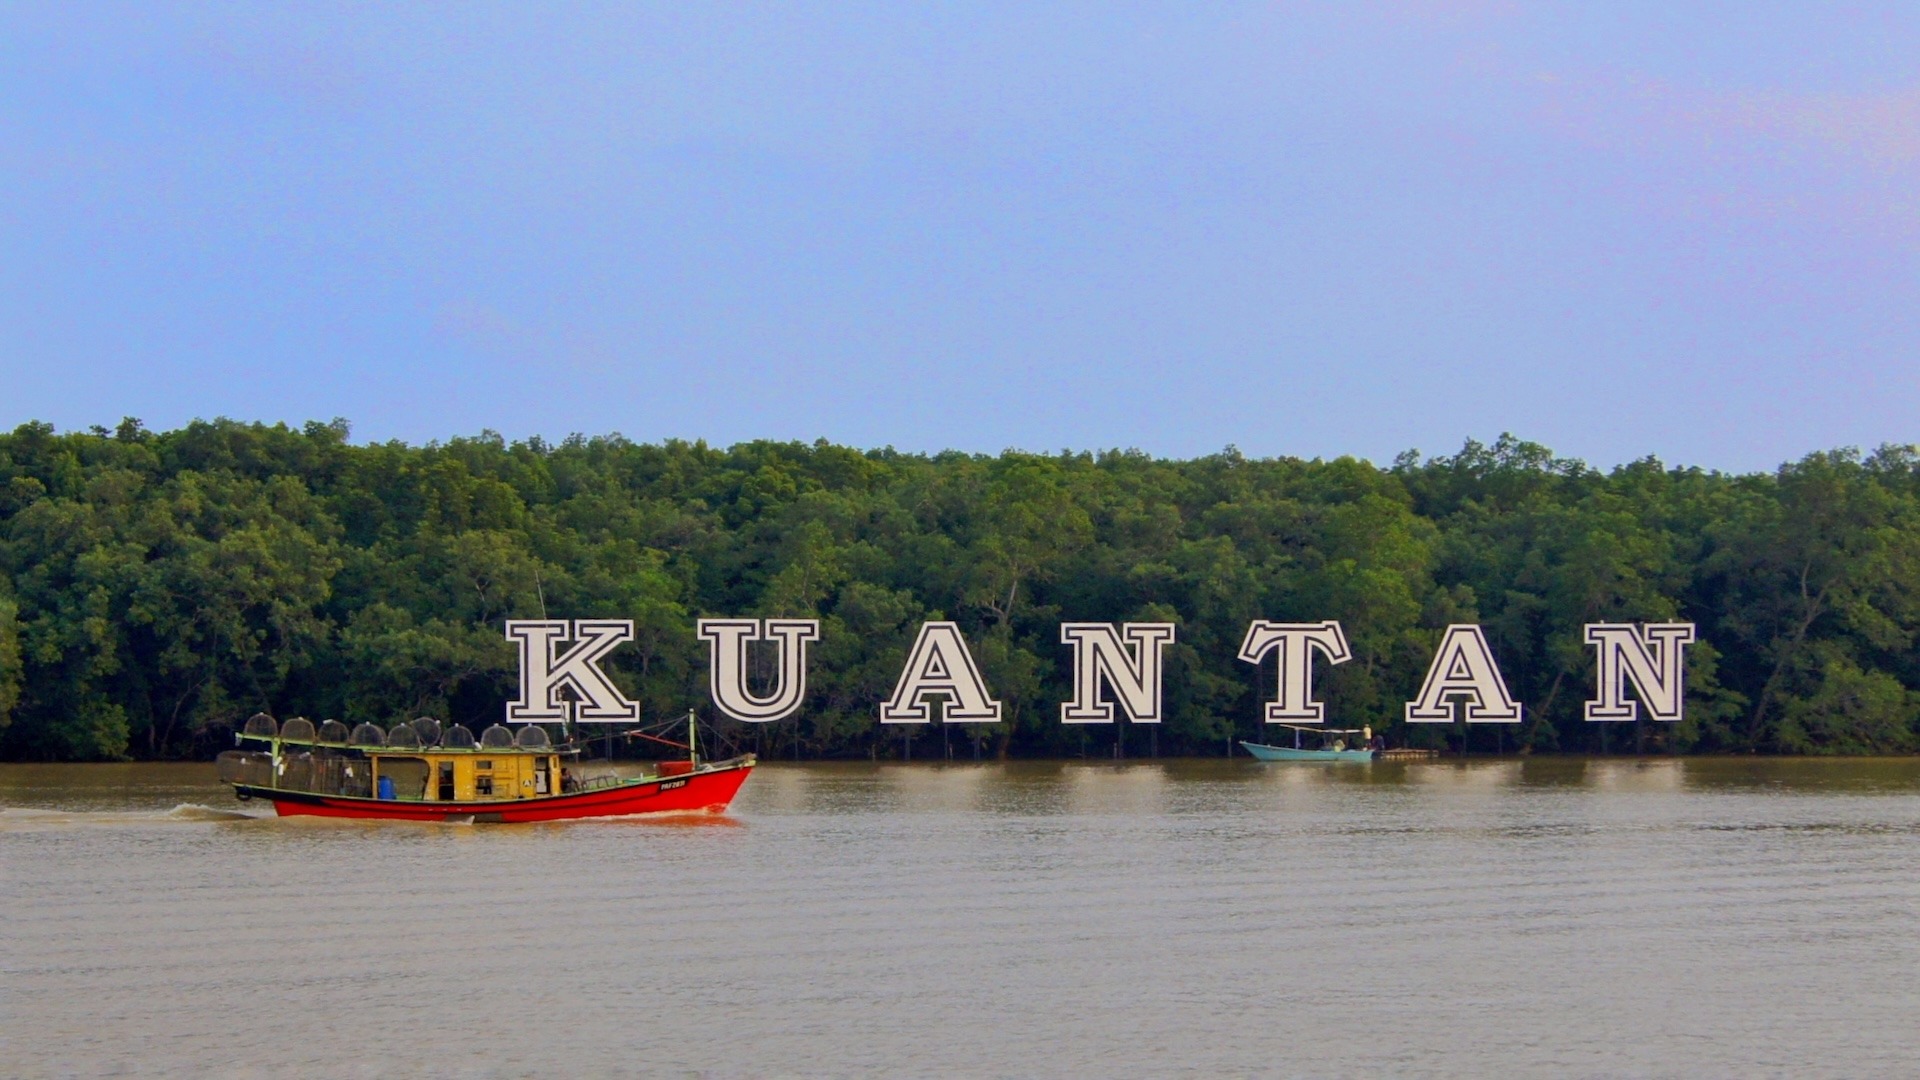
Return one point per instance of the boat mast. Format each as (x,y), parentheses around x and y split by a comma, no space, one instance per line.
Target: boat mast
(693,739)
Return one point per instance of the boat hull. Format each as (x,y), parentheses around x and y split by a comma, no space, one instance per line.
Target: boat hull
(1263,752)
(707,791)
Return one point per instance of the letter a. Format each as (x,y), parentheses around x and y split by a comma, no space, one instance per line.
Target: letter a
(1293,689)
(1464,666)
(727,665)
(542,674)
(940,666)
(1134,675)
(1651,656)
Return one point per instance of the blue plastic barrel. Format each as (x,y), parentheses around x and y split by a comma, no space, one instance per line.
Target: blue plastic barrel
(386,787)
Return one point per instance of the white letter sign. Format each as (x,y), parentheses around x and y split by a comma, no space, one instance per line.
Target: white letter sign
(940,665)
(1293,688)
(1464,666)
(1651,657)
(1134,674)
(542,673)
(727,665)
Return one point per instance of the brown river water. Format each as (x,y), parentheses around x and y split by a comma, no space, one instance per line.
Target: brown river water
(1489,918)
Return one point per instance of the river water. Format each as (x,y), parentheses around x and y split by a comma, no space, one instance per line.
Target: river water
(1490,918)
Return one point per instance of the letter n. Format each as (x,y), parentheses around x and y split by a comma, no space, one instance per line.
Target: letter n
(1651,657)
(1296,643)
(727,665)
(1134,674)
(1464,666)
(542,673)
(940,666)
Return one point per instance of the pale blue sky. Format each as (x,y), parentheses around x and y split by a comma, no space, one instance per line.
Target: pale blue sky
(1318,228)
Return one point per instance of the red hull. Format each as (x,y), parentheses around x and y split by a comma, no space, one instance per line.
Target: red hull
(690,793)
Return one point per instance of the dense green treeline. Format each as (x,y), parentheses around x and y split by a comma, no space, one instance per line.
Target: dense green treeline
(159,587)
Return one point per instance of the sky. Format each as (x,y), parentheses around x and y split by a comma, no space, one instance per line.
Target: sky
(1625,229)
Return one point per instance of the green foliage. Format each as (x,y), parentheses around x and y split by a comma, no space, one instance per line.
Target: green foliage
(157,587)
(9,659)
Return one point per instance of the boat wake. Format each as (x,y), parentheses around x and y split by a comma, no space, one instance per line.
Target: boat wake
(199,812)
(16,818)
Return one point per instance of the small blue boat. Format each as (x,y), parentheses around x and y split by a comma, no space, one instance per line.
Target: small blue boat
(1288,753)
(1336,750)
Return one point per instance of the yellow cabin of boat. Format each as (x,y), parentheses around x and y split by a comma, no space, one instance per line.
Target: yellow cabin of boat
(468,775)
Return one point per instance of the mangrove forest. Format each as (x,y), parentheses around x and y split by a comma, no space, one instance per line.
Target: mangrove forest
(157,588)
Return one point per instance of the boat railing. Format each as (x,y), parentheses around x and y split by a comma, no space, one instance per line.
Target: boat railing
(319,774)
(597,781)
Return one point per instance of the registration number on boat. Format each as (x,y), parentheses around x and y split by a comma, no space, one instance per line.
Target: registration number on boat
(671,784)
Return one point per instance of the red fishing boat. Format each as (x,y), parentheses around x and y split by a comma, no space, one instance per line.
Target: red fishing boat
(418,772)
